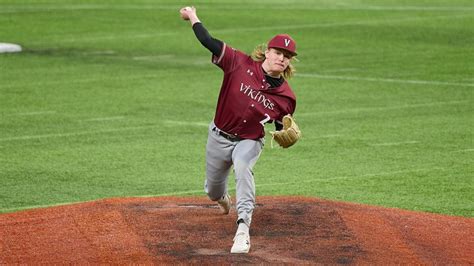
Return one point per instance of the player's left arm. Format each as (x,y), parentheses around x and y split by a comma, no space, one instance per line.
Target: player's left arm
(279,122)
(278,125)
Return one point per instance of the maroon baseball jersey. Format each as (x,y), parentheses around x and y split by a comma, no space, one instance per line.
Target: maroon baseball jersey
(246,101)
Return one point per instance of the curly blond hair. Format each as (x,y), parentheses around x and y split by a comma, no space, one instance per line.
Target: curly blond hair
(258,54)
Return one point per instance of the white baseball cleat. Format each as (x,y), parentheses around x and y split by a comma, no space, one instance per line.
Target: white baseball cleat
(225,203)
(241,243)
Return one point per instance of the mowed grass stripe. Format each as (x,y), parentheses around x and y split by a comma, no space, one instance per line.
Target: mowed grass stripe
(161,33)
(224,6)
(385,108)
(106,130)
(389,80)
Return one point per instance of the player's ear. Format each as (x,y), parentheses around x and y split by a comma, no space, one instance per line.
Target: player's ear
(267,51)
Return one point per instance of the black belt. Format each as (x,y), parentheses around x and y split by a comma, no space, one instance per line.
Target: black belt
(227,135)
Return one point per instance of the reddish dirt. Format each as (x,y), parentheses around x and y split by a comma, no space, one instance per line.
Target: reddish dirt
(285,230)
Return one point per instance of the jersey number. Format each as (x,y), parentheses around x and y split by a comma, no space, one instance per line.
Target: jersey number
(265,120)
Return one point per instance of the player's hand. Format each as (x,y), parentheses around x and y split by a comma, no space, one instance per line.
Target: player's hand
(186,12)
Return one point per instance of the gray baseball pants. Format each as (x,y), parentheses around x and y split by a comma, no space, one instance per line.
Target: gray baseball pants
(221,155)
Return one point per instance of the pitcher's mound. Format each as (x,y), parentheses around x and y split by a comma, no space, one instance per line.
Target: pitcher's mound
(285,230)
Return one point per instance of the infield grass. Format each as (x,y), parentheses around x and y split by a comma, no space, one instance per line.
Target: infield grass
(112,99)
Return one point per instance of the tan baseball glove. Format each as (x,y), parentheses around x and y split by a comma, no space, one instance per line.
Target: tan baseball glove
(290,133)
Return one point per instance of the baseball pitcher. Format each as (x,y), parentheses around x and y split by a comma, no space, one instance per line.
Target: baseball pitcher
(254,91)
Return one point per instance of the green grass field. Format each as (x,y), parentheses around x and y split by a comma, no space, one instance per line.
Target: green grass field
(113,98)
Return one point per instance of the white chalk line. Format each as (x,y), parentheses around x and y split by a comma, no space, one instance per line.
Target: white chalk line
(39,113)
(111,118)
(184,123)
(104,119)
(103,52)
(178,193)
(405,81)
(375,109)
(32,113)
(80,133)
(395,143)
(109,130)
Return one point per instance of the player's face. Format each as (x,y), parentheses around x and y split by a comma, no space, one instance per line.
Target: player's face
(277,60)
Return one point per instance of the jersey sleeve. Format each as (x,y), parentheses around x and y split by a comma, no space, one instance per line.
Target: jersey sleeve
(212,44)
(229,58)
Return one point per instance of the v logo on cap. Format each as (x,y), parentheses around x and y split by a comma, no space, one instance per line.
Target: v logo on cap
(283,41)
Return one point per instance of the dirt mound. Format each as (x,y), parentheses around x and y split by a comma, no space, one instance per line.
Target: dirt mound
(285,230)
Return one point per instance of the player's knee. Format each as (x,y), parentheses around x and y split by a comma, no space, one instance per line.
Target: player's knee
(242,168)
(214,191)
